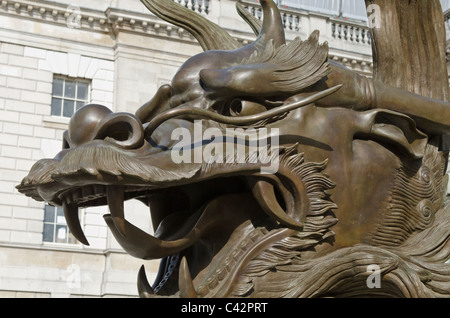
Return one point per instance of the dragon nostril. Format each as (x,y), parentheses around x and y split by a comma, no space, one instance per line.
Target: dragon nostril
(99,122)
(121,129)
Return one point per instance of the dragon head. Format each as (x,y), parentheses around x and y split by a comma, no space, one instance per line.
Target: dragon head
(245,177)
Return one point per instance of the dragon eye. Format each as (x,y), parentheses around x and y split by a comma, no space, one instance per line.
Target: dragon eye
(236,107)
(240,107)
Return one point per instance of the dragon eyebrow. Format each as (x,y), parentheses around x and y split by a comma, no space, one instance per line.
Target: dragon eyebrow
(295,65)
(237,121)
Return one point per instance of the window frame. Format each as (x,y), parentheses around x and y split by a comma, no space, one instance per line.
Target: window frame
(64,98)
(55,225)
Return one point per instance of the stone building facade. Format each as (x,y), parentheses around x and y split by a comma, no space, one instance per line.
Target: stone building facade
(56,56)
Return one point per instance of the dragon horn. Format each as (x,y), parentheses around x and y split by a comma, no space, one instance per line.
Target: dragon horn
(272,27)
(251,20)
(209,35)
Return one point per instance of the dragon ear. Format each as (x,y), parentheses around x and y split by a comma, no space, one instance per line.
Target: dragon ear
(392,128)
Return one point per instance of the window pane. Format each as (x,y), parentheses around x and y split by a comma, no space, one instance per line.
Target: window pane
(80,104)
(354,9)
(82,92)
(49,214)
(61,234)
(48,233)
(68,109)
(69,90)
(56,106)
(68,96)
(60,219)
(324,6)
(57,87)
(55,226)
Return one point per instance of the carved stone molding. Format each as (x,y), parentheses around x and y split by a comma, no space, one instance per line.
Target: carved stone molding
(113,21)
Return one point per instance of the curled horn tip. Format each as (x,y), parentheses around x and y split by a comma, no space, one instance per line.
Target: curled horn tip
(272,27)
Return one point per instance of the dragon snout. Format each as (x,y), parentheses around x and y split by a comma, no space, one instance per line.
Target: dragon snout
(97,122)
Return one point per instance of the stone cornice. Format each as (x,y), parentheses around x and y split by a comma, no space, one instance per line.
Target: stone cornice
(51,12)
(148,24)
(113,21)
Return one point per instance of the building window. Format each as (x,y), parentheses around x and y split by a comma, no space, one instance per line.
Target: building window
(69,95)
(55,226)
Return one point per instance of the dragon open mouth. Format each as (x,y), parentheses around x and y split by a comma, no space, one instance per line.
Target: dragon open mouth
(216,217)
(191,228)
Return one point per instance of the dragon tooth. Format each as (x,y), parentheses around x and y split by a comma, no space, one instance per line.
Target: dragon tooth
(142,245)
(265,194)
(73,222)
(144,288)
(115,197)
(186,286)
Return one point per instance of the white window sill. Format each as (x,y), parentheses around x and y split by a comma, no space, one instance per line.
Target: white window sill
(62,246)
(57,122)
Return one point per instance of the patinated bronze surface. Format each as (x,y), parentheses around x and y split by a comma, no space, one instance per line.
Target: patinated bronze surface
(360,178)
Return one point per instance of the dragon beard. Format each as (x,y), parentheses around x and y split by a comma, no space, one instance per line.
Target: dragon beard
(273,262)
(408,261)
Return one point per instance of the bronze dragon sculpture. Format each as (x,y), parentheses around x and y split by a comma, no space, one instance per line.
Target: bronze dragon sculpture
(359,178)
